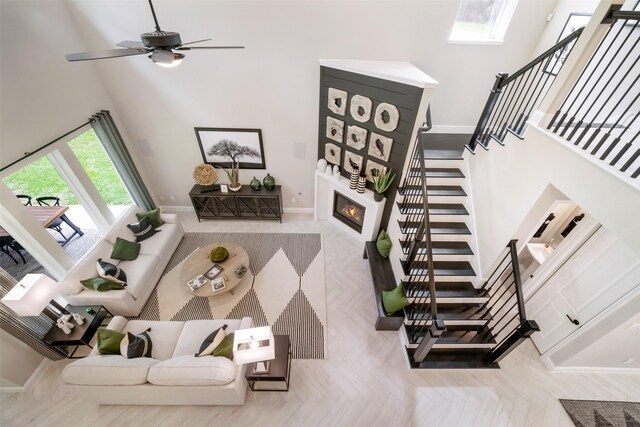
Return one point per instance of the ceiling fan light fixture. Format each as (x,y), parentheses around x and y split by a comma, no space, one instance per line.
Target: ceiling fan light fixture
(166,58)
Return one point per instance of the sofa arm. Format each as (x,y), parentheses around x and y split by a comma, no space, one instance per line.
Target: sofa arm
(172,219)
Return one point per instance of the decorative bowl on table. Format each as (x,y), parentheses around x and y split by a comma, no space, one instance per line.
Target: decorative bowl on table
(218,254)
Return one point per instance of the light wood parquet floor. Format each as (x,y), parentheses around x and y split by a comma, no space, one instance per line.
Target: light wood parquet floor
(363,382)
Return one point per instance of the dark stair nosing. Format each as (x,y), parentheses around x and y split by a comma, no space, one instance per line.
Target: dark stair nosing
(447,290)
(458,359)
(440,248)
(440,268)
(437,172)
(437,228)
(442,154)
(434,208)
(453,311)
(434,190)
(461,335)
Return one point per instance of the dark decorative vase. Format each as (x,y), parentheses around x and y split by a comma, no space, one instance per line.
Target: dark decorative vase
(269,182)
(255,184)
(378,197)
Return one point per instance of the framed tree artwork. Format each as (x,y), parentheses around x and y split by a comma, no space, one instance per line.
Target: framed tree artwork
(224,146)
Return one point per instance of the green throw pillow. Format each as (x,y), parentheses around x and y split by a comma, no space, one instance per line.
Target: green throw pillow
(109,341)
(101,285)
(125,250)
(225,348)
(394,300)
(154,217)
(384,244)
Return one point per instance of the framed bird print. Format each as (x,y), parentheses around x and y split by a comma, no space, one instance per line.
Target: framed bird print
(380,146)
(352,161)
(373,169)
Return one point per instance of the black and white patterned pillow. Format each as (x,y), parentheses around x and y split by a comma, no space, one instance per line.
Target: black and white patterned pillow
(211,342)
(143,229)
(106,270)
(139,345)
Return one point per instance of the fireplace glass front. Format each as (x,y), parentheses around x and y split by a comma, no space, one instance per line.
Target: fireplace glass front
(348,211)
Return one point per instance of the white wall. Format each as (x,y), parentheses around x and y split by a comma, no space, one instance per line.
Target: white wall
(18,361)
(273,84)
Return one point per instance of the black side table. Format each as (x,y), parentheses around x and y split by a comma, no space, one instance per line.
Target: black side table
(80,335)
(277,379)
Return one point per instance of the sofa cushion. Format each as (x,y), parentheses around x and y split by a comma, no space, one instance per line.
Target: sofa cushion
(153,215)
(120,227)
(108,341)
(142,229)
(108,370)
(139,345)
(164,335)
(195,332)
(191,370)
(125,250)
(159,242)
(101,285)
(110,271)
(86,268)
(138,272)
(211,342)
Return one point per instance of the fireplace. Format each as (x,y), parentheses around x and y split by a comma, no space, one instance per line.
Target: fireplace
(348,211)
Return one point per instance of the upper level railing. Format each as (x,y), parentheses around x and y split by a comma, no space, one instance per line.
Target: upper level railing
(600,113)
(513,98)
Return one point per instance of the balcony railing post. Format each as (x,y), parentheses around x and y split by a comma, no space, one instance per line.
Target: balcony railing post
(524,331)
(431,337)
(488,109)
(518,280)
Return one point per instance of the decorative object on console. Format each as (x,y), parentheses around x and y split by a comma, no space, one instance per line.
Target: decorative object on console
(373,169)
(335,129)
(332,153)
(362,182)
(206,176)
(380,146)
(78,318)
(219,254)
(255,184)
(269,182)
(34,295)
(360,108)
(381,183)
(328,170)
(223,147)
(336,171)
(387,117)
(337,101)
(233,175)
(65,326)
(254,345)
(321,165)
(352,161)
(353,181)
(356,137)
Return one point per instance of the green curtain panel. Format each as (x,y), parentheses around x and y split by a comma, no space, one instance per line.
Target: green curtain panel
(108,134)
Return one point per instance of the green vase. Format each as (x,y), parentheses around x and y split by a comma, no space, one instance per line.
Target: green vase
(255,184)
(269,182)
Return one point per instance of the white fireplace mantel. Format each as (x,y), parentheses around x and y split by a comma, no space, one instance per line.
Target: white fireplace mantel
(326,185)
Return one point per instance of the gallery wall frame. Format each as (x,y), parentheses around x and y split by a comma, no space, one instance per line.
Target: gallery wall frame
(574,21)
(219,146)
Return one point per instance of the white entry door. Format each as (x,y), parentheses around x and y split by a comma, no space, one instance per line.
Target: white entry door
(598,274)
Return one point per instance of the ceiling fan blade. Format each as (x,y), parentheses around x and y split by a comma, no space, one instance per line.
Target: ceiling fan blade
(197,41)
(209,47)
(111,53)
(131,44)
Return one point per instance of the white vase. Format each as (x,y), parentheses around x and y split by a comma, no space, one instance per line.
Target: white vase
(79,319)
(336,171)
(234,189)
(322,165)
(328,170)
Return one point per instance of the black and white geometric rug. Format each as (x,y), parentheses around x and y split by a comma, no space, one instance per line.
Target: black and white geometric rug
(595,413)
(284,288)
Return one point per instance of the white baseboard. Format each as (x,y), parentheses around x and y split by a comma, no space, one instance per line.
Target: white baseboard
(548,363)
(32,381)
(452,129)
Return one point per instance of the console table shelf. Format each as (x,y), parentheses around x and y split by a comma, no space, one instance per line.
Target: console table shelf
(243,204)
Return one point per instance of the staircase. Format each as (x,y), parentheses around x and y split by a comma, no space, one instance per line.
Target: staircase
(458,320)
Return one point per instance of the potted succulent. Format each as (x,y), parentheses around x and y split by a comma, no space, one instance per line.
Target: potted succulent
(233,174)
(381,182)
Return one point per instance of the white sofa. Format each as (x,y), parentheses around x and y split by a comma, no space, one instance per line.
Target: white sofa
(143,273)
(174,376)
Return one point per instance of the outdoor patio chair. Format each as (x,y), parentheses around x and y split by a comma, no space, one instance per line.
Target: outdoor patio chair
(8,242)
(26,200)
(52,201)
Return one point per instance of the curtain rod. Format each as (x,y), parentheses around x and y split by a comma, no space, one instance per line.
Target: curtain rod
(31,153)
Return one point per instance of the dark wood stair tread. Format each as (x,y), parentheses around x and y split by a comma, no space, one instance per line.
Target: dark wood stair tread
(433,190)
(437,227)
(447,290)
(442,154)
(440,248)
(441,268)
(437,172)
(434,208)
(451,311)
(464,358)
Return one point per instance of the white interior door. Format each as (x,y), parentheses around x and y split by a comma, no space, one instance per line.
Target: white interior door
(599,273)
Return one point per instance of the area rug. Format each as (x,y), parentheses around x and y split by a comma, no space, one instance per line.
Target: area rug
(595,413)
(284,288)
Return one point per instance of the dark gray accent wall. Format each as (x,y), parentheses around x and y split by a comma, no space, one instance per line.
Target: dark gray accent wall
(405,97)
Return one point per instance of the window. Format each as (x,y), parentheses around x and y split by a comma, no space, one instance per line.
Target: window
(482,21)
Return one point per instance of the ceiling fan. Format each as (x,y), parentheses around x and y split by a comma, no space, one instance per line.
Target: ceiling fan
(159,44)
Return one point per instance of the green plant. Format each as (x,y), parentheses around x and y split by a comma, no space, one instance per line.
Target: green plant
(383,180)
(233,174)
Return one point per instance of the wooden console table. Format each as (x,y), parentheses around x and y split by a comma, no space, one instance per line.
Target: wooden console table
(243,204)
